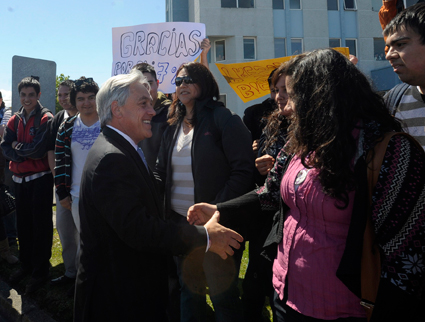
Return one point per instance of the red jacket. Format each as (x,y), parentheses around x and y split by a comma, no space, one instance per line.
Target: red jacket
(30,154)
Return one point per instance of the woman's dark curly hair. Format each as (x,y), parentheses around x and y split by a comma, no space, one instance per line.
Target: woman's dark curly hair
(276,122)
(331,98)
(208,86)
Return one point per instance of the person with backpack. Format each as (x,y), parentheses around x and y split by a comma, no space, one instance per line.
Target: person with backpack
(25,145)
(405,41)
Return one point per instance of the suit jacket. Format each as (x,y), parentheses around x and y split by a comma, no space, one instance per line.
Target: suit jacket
(125,240)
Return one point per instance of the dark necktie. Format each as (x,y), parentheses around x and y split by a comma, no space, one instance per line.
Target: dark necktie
(142,155)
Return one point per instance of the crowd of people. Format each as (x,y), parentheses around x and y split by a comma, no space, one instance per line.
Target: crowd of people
(155,197)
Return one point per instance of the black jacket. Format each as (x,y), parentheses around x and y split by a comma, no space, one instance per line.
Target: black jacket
(222,163)
(253,117)
(159,123)
(124,239)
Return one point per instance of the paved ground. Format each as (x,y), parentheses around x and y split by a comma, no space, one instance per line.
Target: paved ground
(15,307)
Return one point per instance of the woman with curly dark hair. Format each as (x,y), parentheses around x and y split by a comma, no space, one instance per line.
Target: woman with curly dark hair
(274,134)
(257,282)
(205,156)
(319,183)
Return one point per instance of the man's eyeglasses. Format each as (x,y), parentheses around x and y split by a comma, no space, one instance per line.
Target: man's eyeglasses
(186,79)
(80,82)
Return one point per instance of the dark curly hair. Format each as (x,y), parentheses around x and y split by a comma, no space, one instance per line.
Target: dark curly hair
(208,86)
(331,98)
(88,85)
(275,122)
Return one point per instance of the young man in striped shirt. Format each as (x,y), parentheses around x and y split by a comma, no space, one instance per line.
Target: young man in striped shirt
(405,41)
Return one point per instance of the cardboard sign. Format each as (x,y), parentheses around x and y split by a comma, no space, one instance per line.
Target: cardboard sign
(165,46)
(249,80)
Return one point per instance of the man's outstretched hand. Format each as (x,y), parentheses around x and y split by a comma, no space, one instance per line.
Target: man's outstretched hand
(223,240)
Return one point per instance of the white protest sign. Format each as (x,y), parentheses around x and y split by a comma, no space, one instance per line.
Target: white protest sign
(163,45)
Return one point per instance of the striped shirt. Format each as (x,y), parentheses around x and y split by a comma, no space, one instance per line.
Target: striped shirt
(411,111)
(182,190)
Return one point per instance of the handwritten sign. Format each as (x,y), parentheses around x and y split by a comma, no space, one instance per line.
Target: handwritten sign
(165,46)
(249,80)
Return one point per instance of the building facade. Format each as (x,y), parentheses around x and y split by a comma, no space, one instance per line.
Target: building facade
(244,30)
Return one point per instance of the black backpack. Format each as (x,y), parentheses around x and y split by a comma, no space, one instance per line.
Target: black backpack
(37,119)
(393,97)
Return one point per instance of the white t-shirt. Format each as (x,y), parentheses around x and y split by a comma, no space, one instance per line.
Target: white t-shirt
(82,140)
(182,189)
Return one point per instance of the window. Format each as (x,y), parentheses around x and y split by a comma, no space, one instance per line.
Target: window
(295,4)
(229,3)
(246,3)
(296,46)
(334,42)
(223,99)
(408,3)
(376,5)
(350,5)
(278,4)
(279,47)
(379,48)
(249,48)
(352,46)
(237,3)
(333,5)
(220,50)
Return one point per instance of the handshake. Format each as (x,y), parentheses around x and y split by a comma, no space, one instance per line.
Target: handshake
(223,240)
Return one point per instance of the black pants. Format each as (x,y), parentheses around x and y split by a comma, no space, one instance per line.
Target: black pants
(34,201)
(283,313)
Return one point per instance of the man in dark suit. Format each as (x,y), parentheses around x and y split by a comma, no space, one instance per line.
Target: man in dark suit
(125,240)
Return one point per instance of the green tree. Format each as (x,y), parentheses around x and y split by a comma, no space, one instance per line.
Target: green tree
(59,79)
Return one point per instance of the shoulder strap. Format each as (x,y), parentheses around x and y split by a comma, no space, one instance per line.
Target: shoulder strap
(392,100)
(38,118)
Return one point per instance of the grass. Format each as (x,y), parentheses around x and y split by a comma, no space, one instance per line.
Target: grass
(55,301)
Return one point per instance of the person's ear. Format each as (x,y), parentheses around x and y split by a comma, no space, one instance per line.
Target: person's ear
(157,82)
(116,109)
(38,96)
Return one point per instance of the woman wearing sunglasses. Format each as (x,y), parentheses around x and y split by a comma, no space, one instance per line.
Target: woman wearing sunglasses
(205,156)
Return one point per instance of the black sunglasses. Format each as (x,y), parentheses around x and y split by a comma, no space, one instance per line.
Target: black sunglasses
(80,82)
(186,79)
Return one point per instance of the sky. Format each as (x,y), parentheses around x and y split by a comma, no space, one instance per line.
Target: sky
(77,35)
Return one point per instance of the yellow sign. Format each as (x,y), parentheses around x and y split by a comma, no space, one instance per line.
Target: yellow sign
(249,80)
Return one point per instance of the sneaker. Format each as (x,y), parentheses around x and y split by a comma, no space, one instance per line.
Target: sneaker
(35,283)
(18,275)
